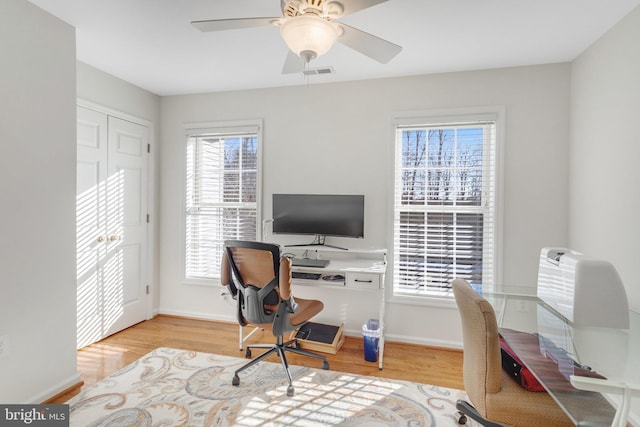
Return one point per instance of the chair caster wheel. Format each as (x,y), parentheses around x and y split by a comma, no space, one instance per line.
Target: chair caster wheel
(462,420)
(236,380)
(290,391)
(247,354)
(325,365)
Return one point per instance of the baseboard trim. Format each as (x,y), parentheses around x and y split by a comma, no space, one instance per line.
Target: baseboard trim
(348,332)
(56,391)
(196,315)
(411,340)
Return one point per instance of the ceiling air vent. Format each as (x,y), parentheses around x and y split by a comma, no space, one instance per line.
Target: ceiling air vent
(318,71)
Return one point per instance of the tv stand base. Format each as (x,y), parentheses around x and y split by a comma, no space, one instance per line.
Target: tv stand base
(318,241)
(316,244)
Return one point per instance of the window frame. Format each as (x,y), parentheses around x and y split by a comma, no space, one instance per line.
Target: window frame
(218,129)
(446,117)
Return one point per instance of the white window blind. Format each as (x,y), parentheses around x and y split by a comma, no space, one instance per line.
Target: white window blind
(444,207)
(221,197)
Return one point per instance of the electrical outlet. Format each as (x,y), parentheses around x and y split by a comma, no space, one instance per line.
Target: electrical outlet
(522,306)
(4,346)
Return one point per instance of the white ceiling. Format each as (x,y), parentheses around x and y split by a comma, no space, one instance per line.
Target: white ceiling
(152,44)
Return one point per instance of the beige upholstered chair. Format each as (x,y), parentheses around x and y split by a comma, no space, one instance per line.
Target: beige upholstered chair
(494,396)
(261,282)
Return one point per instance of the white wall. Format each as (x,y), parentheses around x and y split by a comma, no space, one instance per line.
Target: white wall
(605,152)
(605,155)
(116,95)
(335,138)
(37,189)
(104,89)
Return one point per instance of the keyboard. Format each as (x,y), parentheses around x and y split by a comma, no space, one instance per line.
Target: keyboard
(308,262)
(307,276)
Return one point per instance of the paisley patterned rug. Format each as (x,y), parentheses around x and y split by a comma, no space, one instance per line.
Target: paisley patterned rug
(170,387)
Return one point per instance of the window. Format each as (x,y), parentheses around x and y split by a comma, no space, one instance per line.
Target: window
(444,206)
(221,196)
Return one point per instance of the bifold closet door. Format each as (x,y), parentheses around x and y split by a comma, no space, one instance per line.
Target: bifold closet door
(111,224)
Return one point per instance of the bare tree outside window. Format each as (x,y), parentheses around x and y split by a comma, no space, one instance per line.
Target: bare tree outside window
(440,212)
(221,203)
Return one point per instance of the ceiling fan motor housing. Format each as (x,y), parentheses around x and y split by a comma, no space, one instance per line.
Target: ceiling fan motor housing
(326,9)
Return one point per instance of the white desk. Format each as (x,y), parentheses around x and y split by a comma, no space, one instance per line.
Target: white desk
(614,353)
(358,270)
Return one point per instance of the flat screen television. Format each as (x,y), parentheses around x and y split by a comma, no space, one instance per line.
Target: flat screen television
(322,215)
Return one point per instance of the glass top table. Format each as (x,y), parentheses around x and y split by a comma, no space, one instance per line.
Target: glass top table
(591,372)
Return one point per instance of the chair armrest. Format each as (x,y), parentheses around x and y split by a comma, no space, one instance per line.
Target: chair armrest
(233,289)
(291,305)
(285,278)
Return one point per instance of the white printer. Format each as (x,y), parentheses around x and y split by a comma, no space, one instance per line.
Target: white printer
(586,291)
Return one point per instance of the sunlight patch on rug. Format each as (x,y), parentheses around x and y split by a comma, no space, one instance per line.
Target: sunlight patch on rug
(176,387)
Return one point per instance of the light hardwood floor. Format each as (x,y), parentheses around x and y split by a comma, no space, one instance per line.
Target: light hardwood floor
(409,362)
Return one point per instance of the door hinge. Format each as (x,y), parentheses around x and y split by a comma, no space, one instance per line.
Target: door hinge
(148,148)
(147,289)
(148,218)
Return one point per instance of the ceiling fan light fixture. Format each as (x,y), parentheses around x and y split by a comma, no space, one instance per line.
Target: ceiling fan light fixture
(309,36)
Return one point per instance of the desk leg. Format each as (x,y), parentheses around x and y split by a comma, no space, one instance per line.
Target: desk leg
(623,411)
(501,311)
(613,387)
(382,327)
(381,347)
(243,338)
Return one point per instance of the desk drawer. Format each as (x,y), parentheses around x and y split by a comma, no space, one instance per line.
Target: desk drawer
(363,281)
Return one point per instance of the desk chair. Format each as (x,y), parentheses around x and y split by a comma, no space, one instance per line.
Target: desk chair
(493,394)
(262,280)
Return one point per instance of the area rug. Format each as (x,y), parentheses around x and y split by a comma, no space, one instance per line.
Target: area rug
(170,387)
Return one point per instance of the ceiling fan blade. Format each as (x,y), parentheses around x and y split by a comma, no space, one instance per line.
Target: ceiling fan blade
(234,24)
(374,47)
(293,64)
(351,6)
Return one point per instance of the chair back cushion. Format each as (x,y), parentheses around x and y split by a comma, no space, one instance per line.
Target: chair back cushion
(255,266)
(264,287)
(482,366)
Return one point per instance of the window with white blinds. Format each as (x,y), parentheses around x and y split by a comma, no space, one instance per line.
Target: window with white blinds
(221,196)
(444,206)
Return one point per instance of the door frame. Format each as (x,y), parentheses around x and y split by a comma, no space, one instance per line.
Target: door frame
(151,208)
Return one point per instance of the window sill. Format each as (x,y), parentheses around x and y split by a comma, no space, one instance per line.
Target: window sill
(215,282)
(424,300)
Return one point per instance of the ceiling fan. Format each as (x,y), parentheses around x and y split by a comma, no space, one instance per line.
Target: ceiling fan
(311,27)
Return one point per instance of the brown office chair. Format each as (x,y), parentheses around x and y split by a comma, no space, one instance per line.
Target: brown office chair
(493,394)
(260,280)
